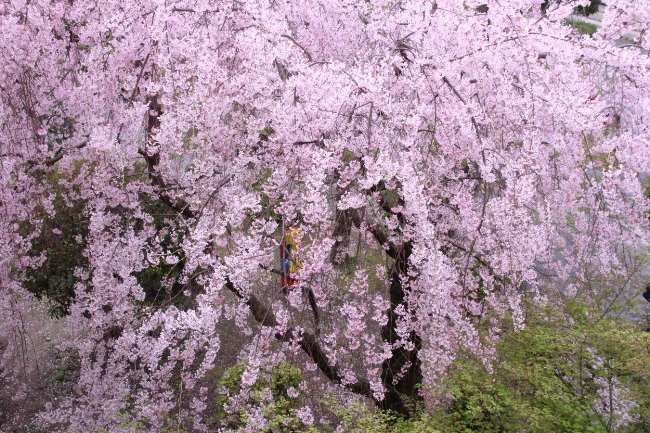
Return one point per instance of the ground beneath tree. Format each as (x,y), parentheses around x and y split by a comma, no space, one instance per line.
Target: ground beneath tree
(51,372)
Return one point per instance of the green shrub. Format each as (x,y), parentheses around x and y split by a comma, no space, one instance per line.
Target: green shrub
(548,376)
(62,238)
(583,27)
(280,412)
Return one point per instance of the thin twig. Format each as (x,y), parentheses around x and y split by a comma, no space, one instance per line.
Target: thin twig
(304,50)
(137,82)
(456,92)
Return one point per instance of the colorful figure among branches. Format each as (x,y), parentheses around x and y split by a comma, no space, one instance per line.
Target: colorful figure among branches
(289,262)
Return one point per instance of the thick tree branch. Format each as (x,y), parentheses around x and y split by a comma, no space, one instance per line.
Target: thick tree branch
(264,315)
(137,81)
(177,203)
(58,155)
(341,235)
(380,235)
(310,296)
(385,206)
(377,232)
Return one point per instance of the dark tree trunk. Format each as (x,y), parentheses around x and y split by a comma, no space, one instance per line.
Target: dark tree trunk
(401,374)
(341,234)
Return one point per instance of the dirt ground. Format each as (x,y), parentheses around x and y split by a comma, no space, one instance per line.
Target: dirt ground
(51,372)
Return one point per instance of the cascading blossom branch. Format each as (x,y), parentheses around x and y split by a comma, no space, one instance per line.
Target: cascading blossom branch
(441,159)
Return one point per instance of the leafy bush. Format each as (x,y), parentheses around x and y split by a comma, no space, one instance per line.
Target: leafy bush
(583,27)
(286,398)
(568,370)
(62,239)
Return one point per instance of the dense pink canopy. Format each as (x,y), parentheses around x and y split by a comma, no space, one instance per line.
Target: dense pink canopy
(442,160)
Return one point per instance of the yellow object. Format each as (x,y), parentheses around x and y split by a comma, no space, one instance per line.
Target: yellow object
(291,248)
